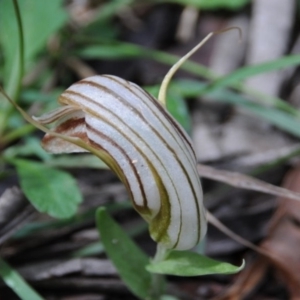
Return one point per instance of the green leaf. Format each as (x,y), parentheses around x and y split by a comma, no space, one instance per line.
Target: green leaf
(186,263)
(211,4)
(128,258)
(49,190)
(249,71)
(40,20)
(13,279)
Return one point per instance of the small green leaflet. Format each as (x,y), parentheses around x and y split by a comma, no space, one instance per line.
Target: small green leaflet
(49,190)
(127,257)
(186,263)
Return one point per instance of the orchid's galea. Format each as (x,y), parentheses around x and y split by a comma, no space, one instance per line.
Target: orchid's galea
(143,144)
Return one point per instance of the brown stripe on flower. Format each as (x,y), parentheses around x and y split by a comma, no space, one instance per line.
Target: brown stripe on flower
(184,169)
(160,223)
(113,165)
(123,101)
(126,125)
(197,206)
(68,127)
(142,209)
(170,119)
(157,105)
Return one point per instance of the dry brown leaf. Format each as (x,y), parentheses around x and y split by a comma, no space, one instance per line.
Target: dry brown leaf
(284,238)
(282,245)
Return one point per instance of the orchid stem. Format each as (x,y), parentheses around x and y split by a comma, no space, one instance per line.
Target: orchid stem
(158,280)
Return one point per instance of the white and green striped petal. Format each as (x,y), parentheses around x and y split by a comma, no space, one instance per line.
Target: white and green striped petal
(146,147)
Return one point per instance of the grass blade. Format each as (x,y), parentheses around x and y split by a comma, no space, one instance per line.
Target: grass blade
(15,281)
(281,119)
(250,71)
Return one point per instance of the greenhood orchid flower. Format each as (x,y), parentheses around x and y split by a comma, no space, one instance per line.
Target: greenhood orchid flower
(143,144)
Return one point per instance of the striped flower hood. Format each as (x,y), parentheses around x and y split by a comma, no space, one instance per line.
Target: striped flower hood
(143,144)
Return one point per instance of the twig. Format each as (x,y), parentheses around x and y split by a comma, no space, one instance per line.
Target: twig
(218,224)
(245,182)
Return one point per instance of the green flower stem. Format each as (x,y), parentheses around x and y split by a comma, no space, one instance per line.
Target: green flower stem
(15,85)
(161,253)
(158,280)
